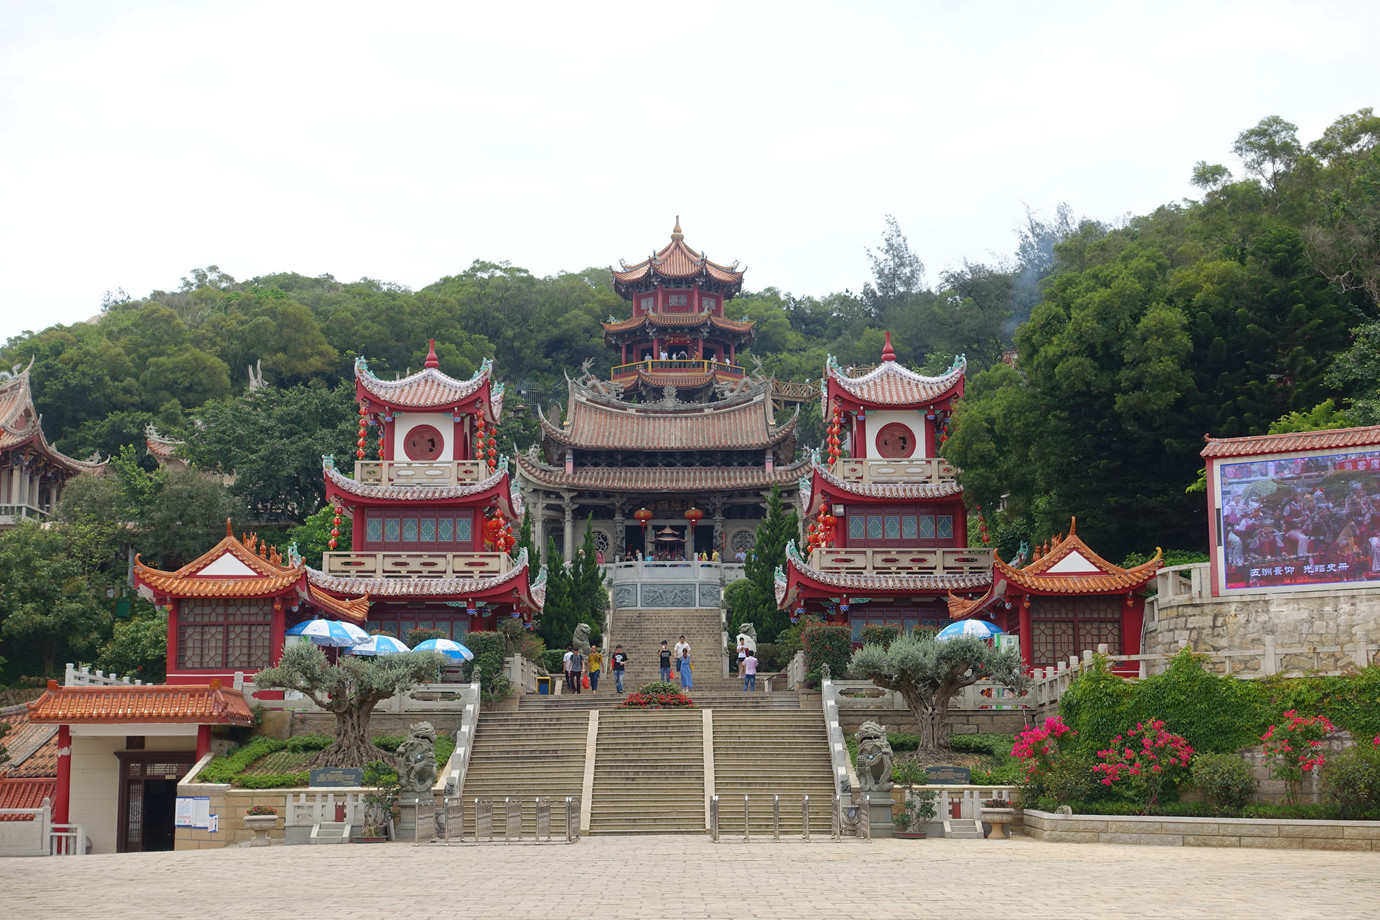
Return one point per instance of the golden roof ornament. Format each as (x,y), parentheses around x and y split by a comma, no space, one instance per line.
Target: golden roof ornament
(676,233)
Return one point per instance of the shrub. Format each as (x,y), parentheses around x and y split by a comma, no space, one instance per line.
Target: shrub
(1096,705)
(489,649)
(657,687)
(1039,749)
(994,745)
(769,658)
(880,635)
(1215,713)
(1348,699)
(1294,749)
(1352,780)
(829,644)
(316,742)
(226,768)
(1225,779)
(1143,762)
(416,637)
(553,659)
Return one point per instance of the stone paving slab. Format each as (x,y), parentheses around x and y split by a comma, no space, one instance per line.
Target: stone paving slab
(691,877)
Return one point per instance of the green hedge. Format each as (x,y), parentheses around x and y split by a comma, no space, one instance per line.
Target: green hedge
(830,644)
(880,635)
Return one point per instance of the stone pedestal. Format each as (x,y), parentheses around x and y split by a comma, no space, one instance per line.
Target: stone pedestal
(879,810)
(405,828)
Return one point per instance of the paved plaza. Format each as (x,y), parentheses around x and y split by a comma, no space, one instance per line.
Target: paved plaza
(691,877)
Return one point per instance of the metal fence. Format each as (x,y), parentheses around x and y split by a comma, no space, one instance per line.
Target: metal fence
(846,819)
(494,816)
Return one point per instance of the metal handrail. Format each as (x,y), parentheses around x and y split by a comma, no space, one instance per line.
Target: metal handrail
(453,827)
(425,811)
(714,818)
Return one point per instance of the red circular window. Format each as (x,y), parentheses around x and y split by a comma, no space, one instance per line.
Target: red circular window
(895,441)
(424,443)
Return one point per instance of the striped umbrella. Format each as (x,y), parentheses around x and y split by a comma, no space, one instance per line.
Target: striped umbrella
(445,647)
(330,632)
(979,628)
(379,645)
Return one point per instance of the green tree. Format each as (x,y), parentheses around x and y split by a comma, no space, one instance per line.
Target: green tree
(757,603)
(138,647)
(52,593)
(560,612)
(349,690)
(313,536)
(929,674)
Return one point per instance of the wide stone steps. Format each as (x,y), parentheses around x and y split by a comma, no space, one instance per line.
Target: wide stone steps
(704,699)
(772,754)
(641,631)
(649,773)
(524,756)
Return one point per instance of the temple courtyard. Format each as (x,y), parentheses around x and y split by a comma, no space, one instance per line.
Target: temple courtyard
(690,877)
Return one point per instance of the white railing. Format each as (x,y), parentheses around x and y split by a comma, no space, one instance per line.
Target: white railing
(967,797)
(522,673)
(675,570)
(437,697)
(13,514)
(417,565)
(1183,584)
(795,671)
(863,694)
(845,777)
(310,809)
(919,470)
(451,780)
(84,677)
(418,473)
(31,832)
(901,561)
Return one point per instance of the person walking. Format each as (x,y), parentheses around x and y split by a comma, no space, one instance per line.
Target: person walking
(681,646)
(742,654)
(596,664)
(750,672)
(577,669)
(565,665)
(665,663)
(620,661)
(687,681)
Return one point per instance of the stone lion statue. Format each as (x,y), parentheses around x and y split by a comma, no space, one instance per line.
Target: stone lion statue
(748,634)
(417,759)
(581,639)
(874,758)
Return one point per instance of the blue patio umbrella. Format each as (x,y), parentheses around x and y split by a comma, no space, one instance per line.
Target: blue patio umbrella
(330,632)
(379,645)
(445,647)
(978,628)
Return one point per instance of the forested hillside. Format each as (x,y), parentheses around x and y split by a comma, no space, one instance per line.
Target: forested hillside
(1099,355)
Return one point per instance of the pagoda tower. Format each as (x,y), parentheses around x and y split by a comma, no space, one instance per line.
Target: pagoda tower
(433,516)
(674,454)
(886,527)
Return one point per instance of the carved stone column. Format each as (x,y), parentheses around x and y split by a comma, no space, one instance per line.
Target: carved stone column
(568,503)
(619,531)
(718,507)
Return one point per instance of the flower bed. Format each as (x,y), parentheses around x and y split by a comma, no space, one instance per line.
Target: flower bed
(1153,830)
(657,701)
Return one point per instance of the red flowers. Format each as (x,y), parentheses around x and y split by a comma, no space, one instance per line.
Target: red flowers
(1296,749)
(1143,761)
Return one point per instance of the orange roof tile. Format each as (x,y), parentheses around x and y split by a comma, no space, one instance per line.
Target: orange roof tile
(890,384)
(161,703)
(678,262)
(26,793)
(1070,567)
(32,748)
(1368,436)
(661,478)
(799,572)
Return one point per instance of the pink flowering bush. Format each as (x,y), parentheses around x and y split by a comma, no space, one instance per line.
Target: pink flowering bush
(1053,770)
(1143,762)
(1294,749)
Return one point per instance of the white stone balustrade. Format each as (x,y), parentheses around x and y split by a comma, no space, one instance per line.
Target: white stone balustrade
(918,470)
(903,561)
(417,565)
(418,472)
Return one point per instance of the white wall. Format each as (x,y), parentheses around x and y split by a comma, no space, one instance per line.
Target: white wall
(404,422)
(879,419)
(95,797)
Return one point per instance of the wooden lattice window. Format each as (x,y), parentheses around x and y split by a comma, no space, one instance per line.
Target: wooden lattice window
(225,634)
(1065,626)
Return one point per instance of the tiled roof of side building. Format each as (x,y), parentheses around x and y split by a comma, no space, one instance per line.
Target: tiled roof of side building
(427,389)
(32,747)
(660,479)
(890,583)
(601,426)
(26,792)
(891,384)
(150,703)
(1333,439)
(20,424)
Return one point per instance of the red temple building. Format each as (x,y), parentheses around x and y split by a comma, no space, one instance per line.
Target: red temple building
(887,531)
(32,471)
(674,455)
(1067,600)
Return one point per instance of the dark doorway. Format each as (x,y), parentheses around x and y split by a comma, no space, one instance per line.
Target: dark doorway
(160,807)
(148,798)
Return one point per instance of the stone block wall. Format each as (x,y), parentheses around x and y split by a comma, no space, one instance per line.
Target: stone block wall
(230,805)
(1204,832)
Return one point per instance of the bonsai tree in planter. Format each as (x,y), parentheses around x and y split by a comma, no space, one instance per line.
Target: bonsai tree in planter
(929,674)
(381,805)
(917,811)
(350,689)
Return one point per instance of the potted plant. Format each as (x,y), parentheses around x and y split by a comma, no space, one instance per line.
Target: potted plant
(380,806)
(916,812)
(998,813)
(261,819)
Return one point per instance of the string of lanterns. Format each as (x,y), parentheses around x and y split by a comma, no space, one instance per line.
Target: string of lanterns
(982,528)
(485,440)
(363,430)
(335,527)
(834,441)
(499,531)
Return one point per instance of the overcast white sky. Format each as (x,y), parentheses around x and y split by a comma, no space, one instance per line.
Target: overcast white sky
(402,141)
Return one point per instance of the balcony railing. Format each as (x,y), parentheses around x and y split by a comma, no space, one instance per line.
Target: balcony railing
(922,469)
(418,473)
(417,565)
(13,514)
(947,561)
(688,368)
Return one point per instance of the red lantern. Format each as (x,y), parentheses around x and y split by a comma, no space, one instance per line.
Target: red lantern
(693,515)
(643,516)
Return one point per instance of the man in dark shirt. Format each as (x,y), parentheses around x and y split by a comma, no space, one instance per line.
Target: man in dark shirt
(665,662)
(620,658)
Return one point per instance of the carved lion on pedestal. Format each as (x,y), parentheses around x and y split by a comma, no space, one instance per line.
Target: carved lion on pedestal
(874,758)
(581,639)
(417,759)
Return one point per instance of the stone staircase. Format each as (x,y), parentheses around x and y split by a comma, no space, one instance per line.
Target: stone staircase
(525,754)
(641,632)
(717,700)
(763,754)
(649,773)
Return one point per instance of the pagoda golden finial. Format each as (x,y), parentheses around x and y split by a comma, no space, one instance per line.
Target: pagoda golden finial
(676,234)
(228,531)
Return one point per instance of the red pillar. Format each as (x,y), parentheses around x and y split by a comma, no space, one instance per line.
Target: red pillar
(1027,645)
(172,636)
(858,449)
(62,807)
(279,629)
(203,741)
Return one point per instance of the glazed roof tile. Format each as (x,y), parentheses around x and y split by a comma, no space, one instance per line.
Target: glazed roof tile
(916,584)
(744,426)
(415,493)
(680,381)
(426,389)
(660,479)
(162,703)
(32,747)
(665,320)
(376,588)
(899,491)
(26,793)
(1071,567)
(1368,436)
(677,262)
(159,447)
(890,384)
